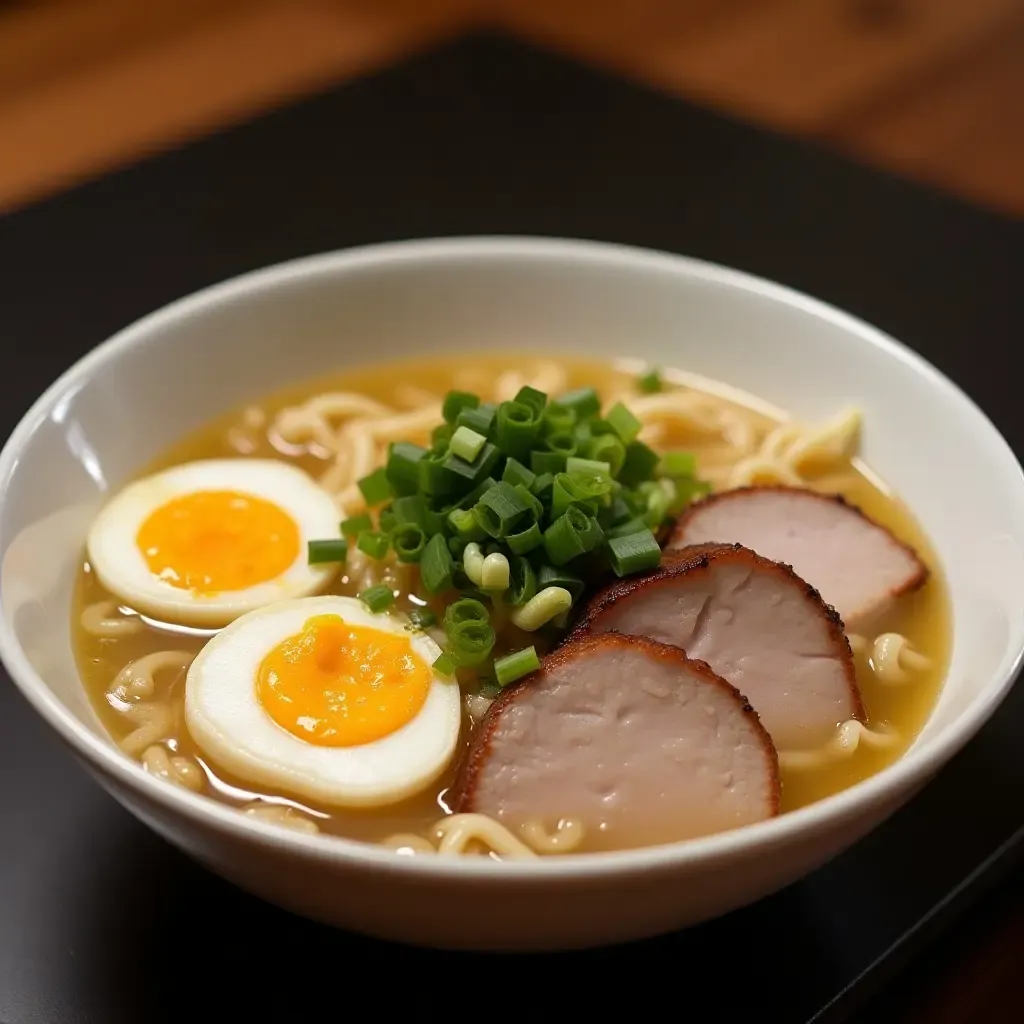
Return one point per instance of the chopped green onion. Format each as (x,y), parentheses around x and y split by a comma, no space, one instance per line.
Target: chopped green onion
(658,499)
(514,666)
(470,499)
(321,552)
(545,605)
(499,509)
(455,402)
(436,566)
(606,448)
(466,443)
(677,463)
(583,401)
(423,618)
(518,428)
(409,540)
(635,552)
(577,465)
(495,574)
(619,510)
(480,419)
(541,487)
(445,664)
(634,525)
(545,463)
(457,545)
(375,487)
(464,523)
(551,455)
(470,642)
(401,470)
(530,500)
(640,464)
(373,543)
(378,597)
(558,419)
(688,490)
(623,422)
(535,399)
(522,581)
(582,490)
(525,540)
(478,469)
(410,508)
(466,609)
(442,434)
(473,563)
(573,533)
(649,383)
(516,473)
(435,478)
(355,525)
(387,520)
(548,576)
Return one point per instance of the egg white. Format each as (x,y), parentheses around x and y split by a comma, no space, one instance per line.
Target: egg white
(121,567)
(229,724)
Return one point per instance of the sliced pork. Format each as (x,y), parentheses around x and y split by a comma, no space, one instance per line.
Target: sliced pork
(635,740)
(756,623)
(857,565)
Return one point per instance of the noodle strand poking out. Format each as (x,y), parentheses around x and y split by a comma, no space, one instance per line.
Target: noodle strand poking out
(153,722)
(567,836)
(792,453)
(178,771)
(131,693)
(284,817)
(460,832)
(894,660)
(105,619)
(848,738)
(138,678)
(470,833)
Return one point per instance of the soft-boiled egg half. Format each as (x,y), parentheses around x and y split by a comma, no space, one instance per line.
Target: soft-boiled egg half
(321,698)
(205,542)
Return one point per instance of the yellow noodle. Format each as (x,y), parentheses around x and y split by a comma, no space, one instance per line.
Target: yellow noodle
(847,739)
(138,678)
(178,771)
(458,833)
(568,835)
(408,844)
(104,619)
(284,817)
(756,469)
(892,656)
(152,721)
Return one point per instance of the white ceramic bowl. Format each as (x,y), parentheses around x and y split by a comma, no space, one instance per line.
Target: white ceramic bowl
(179,367)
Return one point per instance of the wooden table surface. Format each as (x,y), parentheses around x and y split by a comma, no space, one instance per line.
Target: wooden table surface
(932,89)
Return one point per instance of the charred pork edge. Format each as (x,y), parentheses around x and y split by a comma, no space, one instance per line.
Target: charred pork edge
(700,558)
(918,580)
(463,790)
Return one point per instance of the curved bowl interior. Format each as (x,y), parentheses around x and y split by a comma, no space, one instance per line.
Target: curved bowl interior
(180,367)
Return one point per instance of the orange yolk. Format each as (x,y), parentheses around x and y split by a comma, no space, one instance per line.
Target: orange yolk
(338,685)
(213,541)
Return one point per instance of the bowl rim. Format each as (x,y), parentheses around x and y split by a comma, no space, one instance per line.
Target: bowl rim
(911,770)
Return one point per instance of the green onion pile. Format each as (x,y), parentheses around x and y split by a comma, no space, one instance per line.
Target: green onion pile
(521,506)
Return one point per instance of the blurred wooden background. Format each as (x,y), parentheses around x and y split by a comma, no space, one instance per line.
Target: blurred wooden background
(933,89)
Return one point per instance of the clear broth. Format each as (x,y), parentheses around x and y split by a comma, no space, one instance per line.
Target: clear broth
(923,617)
